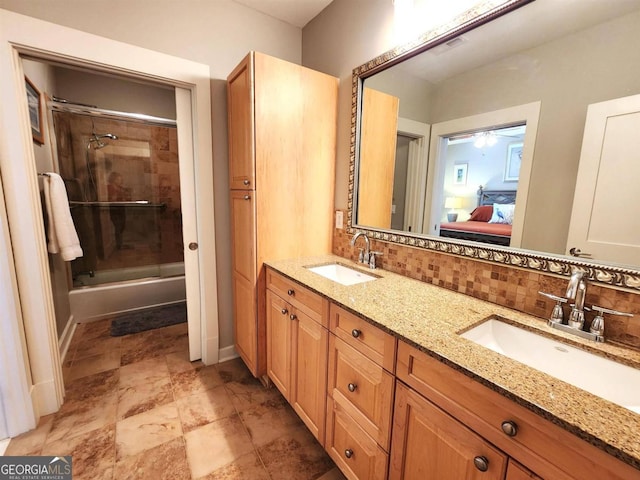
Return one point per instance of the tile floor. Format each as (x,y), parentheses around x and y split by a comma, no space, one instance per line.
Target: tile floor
(137,408)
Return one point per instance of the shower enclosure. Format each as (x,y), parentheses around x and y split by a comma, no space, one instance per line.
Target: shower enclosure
(122,178)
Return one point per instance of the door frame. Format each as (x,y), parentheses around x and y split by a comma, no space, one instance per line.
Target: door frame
(528,114)
(34,316)
(416,181)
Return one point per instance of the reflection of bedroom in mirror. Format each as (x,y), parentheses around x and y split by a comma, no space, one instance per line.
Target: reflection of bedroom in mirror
(480,184)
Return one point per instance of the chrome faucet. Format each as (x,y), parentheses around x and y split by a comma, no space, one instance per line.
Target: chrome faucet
(576,291)
(364,255)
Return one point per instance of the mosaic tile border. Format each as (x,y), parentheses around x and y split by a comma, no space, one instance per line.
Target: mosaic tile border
(545,263)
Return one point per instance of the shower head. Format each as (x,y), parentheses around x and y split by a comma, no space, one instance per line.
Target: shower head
(98,144)
(105,135)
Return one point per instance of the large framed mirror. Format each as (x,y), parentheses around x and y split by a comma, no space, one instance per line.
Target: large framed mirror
(507,136)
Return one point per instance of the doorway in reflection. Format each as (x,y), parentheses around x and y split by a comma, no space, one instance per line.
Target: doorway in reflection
(480,180)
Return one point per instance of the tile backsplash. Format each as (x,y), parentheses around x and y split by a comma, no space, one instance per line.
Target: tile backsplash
(511,287)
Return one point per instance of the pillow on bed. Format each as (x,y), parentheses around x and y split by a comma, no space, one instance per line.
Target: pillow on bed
(482,213)
(502,213)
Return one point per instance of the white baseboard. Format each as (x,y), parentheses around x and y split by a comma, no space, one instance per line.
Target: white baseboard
(227,353)
(65,339)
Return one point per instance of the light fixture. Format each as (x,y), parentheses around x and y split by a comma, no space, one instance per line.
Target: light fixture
(485,138)
(452,203)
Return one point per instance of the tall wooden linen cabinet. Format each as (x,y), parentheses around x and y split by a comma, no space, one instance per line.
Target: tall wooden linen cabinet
(282,137)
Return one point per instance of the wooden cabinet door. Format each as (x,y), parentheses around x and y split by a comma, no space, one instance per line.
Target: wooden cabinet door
(430,445)
(280,324)
(244,277)
(377,158)
(515,471)
(240,106)
(309,373)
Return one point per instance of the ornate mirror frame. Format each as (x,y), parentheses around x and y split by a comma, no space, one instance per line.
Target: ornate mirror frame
(484,12)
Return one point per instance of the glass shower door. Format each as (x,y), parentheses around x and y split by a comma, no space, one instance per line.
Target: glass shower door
(123,182)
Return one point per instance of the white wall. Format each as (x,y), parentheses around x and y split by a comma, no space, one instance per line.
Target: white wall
(413,93)
(218,33)
(43,77)
(113,93)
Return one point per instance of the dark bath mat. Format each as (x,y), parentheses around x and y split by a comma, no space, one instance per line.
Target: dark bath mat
(148,319)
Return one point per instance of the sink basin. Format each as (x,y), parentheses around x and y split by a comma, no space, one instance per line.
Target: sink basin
(605,378)
(342,274)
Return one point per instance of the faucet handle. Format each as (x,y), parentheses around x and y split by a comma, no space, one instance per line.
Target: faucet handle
(602,310)
(557,314)
(597,326)
(372,259)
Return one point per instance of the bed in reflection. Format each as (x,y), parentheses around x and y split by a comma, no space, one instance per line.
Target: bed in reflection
(490,222)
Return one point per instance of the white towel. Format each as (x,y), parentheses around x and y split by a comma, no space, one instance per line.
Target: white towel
(63,237)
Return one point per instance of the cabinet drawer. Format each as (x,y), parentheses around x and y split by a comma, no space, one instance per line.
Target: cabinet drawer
(356,453)
(300,297)
(377,345)
(363,388)
(542,446)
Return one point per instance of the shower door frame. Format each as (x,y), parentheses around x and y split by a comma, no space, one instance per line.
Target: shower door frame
(35,318)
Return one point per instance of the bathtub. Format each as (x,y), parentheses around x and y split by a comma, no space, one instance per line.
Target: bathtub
(99,301)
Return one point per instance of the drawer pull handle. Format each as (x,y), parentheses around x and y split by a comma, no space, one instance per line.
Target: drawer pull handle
(352,387)
(348,453)
(246,182)
(247,197)
(510,428)
(292,316)
(481,463)
(355,333)
(291,292)
(284,311)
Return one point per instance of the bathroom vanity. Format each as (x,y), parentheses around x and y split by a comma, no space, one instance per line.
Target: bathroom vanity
(408,397)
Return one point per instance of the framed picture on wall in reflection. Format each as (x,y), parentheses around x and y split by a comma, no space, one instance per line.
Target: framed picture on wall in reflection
(35,111)
(460,174)
(514,160)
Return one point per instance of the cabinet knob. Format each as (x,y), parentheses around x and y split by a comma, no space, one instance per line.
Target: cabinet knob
(247,197)
(284,311)
(510,428)
(193,246)
(481,463)
(291,292)
(355,333)
(246,182)
(348,453)
(292,316)
(352,387)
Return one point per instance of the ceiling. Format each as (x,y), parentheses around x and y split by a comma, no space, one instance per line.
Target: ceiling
(295,12)
(513,33)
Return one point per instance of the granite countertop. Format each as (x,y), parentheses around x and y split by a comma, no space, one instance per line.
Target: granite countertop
(431,318)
